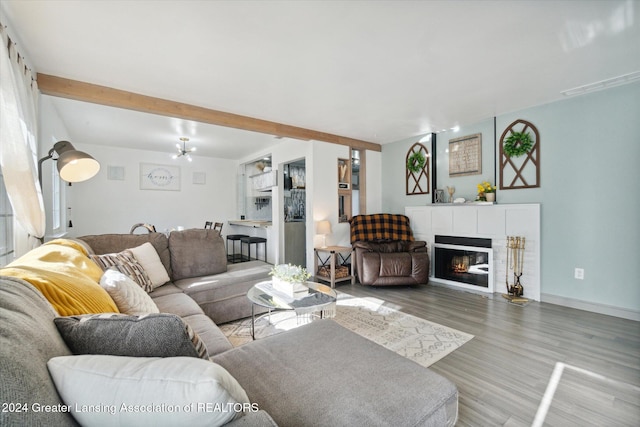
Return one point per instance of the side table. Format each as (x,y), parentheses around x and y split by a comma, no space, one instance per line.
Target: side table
(337,256)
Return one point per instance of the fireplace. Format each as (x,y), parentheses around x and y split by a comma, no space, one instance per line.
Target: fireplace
(463,261)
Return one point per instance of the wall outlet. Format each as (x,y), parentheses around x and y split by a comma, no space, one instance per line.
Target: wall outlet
(579,273)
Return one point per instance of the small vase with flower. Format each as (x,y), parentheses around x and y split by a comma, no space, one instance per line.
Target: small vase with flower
(486,192)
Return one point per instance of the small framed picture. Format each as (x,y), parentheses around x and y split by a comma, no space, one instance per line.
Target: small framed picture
(199,178)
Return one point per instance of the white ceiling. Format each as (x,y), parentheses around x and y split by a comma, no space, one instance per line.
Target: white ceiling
(379,71)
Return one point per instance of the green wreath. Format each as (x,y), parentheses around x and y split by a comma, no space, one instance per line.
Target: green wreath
(416,162)
(517,144)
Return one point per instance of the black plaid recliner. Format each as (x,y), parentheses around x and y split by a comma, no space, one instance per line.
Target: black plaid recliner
(386,252)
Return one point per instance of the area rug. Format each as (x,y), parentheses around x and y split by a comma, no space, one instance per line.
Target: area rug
(417,339)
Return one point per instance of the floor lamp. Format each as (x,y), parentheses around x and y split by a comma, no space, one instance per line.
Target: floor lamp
(73,165)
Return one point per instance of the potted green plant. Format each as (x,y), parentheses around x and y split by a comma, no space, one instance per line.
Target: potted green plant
(289,279)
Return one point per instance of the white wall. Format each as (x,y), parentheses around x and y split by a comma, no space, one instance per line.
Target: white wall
(51,130)
(325,191)
(100,205)
(374,182)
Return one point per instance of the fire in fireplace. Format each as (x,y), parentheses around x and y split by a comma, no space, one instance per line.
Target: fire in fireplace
(464,261)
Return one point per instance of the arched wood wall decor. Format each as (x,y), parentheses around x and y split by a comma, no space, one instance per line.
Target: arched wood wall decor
(418,182)
(523,171)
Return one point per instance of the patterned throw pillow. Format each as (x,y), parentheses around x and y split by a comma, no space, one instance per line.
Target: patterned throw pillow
(149,335)
(126,263)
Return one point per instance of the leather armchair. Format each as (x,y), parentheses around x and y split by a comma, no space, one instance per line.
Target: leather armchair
(384,257)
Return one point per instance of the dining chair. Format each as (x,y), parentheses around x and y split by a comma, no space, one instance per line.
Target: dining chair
(214,225)
(149,227)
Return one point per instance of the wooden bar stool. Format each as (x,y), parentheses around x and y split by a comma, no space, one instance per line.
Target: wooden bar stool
(253,241)
(233,238)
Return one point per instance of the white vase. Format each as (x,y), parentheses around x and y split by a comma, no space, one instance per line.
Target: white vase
(490,197)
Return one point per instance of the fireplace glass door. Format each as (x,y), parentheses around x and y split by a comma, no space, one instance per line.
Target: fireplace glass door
(464,266)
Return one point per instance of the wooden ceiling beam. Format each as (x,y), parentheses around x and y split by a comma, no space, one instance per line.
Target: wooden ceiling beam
(87,92)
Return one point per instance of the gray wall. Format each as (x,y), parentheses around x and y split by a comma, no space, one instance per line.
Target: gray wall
(589,194)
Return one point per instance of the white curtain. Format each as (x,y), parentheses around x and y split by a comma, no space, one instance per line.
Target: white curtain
(18,148)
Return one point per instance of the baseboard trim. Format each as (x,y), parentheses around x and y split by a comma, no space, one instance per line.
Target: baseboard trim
(609,310)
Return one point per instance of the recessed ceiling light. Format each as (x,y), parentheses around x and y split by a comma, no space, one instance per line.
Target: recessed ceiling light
(455,128)
(602,84)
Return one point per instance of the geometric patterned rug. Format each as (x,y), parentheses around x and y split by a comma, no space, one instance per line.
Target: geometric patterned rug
(417,339)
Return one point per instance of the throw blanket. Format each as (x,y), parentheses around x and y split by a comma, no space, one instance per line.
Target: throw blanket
(68,279)
(377,227)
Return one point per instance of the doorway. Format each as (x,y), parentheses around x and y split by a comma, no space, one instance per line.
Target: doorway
(294,212)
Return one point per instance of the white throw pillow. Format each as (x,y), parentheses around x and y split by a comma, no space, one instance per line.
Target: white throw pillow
(171,391)
(148,257)
(128,296)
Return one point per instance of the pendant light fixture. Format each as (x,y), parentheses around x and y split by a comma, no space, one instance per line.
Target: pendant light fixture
(182,150)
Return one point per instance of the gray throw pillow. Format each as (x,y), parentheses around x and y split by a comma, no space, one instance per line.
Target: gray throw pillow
(197,252)
(149,335)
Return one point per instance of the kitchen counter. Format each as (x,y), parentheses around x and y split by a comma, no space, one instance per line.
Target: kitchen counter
(250,223)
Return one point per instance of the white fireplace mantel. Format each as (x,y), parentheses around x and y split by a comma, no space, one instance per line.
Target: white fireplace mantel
(494,222)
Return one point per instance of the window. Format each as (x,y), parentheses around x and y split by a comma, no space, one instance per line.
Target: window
(6,226)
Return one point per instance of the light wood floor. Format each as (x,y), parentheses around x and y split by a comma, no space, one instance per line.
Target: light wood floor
(503,372)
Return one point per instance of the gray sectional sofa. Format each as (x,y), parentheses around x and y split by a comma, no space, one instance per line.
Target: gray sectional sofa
(318,374)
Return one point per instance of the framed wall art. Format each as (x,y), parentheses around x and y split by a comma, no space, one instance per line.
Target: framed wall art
(199,178)
(465,155)
(159,177)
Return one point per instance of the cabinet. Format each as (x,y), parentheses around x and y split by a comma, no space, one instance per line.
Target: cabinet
(264,181)
(295,243)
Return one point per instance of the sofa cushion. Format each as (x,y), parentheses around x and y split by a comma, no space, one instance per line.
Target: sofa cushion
(152,335)
(61,270)
(148,257)
(377,387)
(179,304)
(126,263)
(223,297)
(112,243)
(150,384)
(401,268)
(192,314)
(197,252)
(28,339)
(127,294)
(209,333)
(166,289)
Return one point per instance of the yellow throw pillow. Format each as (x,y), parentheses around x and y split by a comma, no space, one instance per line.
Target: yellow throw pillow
(68,279)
